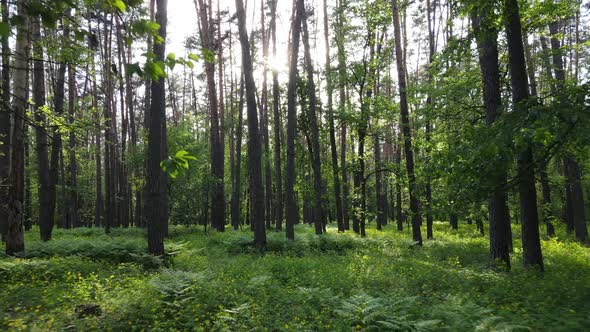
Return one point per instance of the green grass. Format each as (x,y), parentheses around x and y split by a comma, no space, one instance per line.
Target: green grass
(333,282)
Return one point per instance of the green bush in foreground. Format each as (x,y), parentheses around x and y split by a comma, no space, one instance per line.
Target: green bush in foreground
(85,280)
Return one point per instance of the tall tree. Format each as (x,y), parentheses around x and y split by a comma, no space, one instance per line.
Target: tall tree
(156,178)
(218,199)
(278,200)
(15,242)
(291,212)
(254,144)
(486,36)
(405,127)
(46,215)
(526,173)
(576,211)
(264,119)
(431,18)
(330,112)
(5,128)
(313,123)
(342,80)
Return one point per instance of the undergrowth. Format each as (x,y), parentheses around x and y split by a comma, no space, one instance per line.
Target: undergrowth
(86,280)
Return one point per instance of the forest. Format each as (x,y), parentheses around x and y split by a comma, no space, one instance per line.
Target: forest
(295,165)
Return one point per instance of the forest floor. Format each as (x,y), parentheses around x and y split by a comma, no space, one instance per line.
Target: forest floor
(85,280)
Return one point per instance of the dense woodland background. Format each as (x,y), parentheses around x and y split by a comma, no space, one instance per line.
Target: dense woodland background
(437,127)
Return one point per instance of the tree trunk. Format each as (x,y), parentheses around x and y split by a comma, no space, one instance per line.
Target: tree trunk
(56,148)
(528,196)
(487,44)
(405,124)
(330,111)
(73,165)
(576,212)
(5,129)
(235,203)
(291,213)
(398,187)
(313,122)
(218,199)
(278,200)
(431,13)
(156,214)
(254,146)
(268,216)
(46,213)
(15,242)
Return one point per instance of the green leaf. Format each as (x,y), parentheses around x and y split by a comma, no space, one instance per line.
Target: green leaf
(208,55)
(4,29)
(133,68)
(194,57)
(118,4)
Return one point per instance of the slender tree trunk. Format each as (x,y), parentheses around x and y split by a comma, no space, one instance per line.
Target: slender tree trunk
(528,196)
(398,188)
(575,200)
(254,146)
(330,111)
(405,124)
(56,148)
(278,200)
(235,203)
(5,129)
(313,122)
(46,213)
(431,13)
(156,213)
(264,121)
(73,164)
(486,37)
(379,199)
(342,106)
(218,199)
(15,242)
(291,212)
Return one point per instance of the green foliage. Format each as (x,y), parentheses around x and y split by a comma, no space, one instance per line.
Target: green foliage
(174,164)
(332,282)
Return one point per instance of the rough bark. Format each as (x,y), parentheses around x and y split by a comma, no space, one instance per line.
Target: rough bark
(278,199)
(5,129)
(576,211)
(531,243)
(405,124)
(254,144)
(330,112)
(15,242)
(291,213)
(218,199)
(46,215)
(313,123)
(156,214)
(486,37)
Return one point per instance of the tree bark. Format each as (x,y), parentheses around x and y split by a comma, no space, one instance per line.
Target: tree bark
(46,215)
(313,122)
(157,218)
(486,37)
(218,199)
(576,211)
(278,200)
(5,129)
(15,242)
(405,124)
(531,243)
(254,144)
(291,213)
(330,111)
